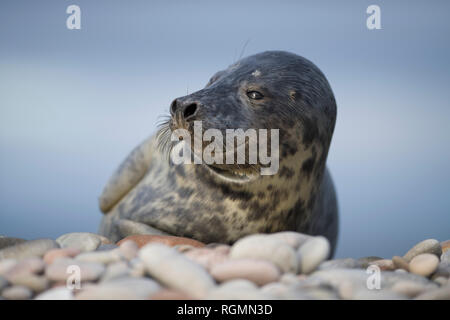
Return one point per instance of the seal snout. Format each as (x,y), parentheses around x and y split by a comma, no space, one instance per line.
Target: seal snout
(184,109)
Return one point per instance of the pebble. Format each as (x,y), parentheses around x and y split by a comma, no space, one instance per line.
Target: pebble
(347,263)
(266,248)
(167,294)
(384,264)
(83,241)
(259,272)
(115,270)
(365,261)
(32,248)
(137,268)
(293,239)
(400,263)
(6,265)
(445,257)
(25,267)
(237,290)
(107,247)
(61,293)
(17,293)
(442,281)
(206,257)
(33,282)
(445,245)
(103,257)
(424,264)
(129,249)
(175,271)
(120,289)
(54,254)
(289,278)
(427,246)
(89,271)
(10,241)
(3,283)
(142,240)
(443,270)
(438,294)
(312,253)
(409,288)
(357,279)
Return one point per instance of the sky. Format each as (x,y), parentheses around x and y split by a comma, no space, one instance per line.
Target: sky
(73,103)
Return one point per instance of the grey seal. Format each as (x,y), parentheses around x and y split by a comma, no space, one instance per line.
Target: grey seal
(272,89)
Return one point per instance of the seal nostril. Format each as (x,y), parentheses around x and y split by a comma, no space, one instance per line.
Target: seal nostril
(190,110)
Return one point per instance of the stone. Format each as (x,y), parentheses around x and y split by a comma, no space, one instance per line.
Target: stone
(116,270)
(167,294)
(6,265)
(424,264)
(33,282)
(120,289)
(184,247)
(137,268)
(107,247)
(291,238)
(313,253)
(61,269)
(61,293)
(365,261)
(129,249)
(437,294)
(103,257)
(383,264)
(25,267)
(289,279)
(83,241)
(259,272)
(356,279)
(17,293)
(28,249)
(400,263)
(427,246)
(443,270)
(445,245)
(347,263)
(442,281)
(54,254)
(237,290)
(175,271)
(445,257)
(142,240)
(3,283)
(10,241)
(409,288)
(266,248)
(206,257)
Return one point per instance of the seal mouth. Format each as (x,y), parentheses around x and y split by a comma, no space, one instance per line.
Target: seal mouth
(236,176)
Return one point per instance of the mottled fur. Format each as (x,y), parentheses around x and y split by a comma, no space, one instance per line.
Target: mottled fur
(191,201)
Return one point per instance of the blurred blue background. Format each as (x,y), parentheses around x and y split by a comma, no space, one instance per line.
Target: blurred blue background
(73,103)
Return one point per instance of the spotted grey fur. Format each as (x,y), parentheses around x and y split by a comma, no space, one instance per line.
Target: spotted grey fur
(191,201)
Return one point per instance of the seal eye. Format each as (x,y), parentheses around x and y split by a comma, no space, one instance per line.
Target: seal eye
(255,95)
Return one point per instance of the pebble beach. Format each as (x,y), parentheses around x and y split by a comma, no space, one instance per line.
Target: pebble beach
(284,265)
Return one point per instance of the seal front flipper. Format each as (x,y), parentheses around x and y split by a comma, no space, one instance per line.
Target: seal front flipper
(129,173)
(127,228)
